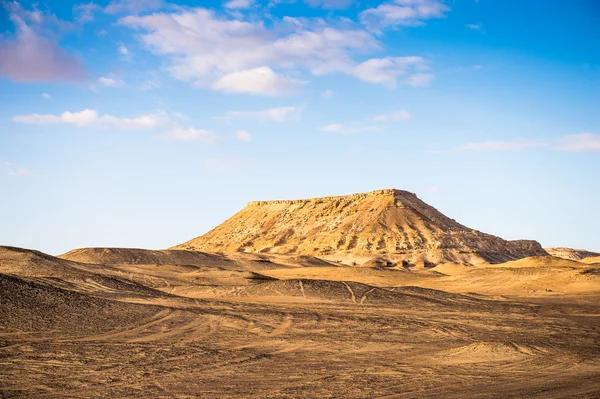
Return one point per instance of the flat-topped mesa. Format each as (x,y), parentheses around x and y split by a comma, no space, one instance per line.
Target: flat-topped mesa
(389,192)
(389,222)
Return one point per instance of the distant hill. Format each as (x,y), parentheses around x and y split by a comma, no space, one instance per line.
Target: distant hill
(570,253)
(359,226)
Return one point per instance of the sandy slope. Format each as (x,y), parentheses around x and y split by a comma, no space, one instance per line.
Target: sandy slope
(216,326)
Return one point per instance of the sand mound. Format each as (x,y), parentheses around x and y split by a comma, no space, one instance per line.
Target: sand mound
(452,269)
(19,261)
(485,352)
(379,262)
(542,261)
(520,281)
(113,256)
(36,306)
(591,260)
(380,222)
(99,280)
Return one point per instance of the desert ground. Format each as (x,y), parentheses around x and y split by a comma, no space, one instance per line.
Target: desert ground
(98,323)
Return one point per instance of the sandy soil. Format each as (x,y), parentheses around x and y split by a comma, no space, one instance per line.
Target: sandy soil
(270,328)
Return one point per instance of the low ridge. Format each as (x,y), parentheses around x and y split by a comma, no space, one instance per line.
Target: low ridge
(359,226)
(570,253)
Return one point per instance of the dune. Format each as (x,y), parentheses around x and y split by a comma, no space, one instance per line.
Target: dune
(591,260)
(541,261)
(248,325)
(452,269)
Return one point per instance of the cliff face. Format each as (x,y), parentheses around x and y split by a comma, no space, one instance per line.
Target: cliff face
(385,222)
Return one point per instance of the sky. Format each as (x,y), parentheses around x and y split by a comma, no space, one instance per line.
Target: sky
(130,123)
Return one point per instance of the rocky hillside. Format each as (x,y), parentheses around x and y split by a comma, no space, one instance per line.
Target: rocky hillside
(393,223)
(569,253)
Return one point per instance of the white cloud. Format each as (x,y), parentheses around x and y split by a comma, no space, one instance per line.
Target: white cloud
(225,52)
(418,79)
(84,12)
(180,115)
(10,169)
(258,81)
(243,135)
(326,4)
(90,117)
(278,114)
(394,116)
(348,129)
(402,13)
(386,70)
(508,145)
(476,27)
(46,96)
(329,4)
(327,94)
(583,142)
(149,85)
(190,134)
(133,6)
(123,50)
(238,4)
(31,56)
(109,82)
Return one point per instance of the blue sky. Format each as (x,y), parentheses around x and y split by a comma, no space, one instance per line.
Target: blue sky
(136,123)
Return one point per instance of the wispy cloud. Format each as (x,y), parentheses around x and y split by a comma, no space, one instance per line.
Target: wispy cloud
(190,135)
(387,70)
(583,142)
(394,116)
(84,12)
(46,96)
(326,4)
(89,117)
(32,55)
(170,123)
(243,135)
(277,114)
(419,79)
(403,13)
(110,82)
(517,144)
(133,6)
(238,4)
(11,169)
(349,128)
(327,94)
(476,27)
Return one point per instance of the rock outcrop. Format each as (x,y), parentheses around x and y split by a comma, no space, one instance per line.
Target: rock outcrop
(390,222)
